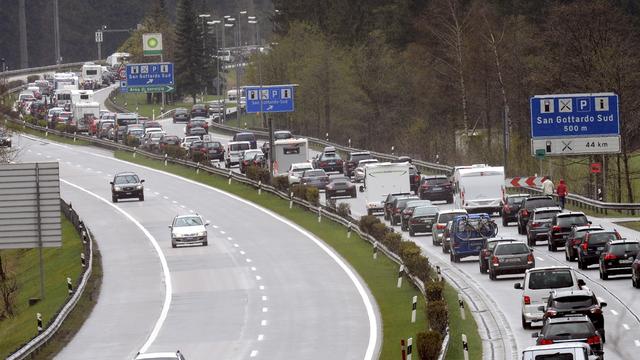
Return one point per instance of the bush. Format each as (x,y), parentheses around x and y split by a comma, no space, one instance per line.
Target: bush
(42,123)
(393,242)
(434,290)
(132,141)
(416,263)
(14,84)
(70,129)
(257,173)
(175,151)
(313,195)
(366,223)
(61,127)
(299,191)
(197,157)
(343,209)
(33,78)
(378,231)
(281,183)
(437,315)
(428,345)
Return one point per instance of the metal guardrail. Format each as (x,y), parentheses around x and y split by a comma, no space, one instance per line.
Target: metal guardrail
(350,223)
(35,70)
(51,328)
(583,202)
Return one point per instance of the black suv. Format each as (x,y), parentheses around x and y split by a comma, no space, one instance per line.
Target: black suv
(247,136)
(126,185)
(565,329)
(527,207)
(510,207)
(397,206)
(584,302)
(199,110)
(561,225)
(617,257)
(435,187)
(388,201)
(329,160)
(180,115)
(592,245)
(352,161)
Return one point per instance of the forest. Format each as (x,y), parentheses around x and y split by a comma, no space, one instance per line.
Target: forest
(441,80)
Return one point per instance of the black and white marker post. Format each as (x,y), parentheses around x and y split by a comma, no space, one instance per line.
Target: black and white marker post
(69,286)
(414,306)
(319,213)
(465,347)
(82,260)
(400,274)
(349,231)
(463,316)
(259,187)
(375,250)
(229,177)
(39,322)
(134,151)
(290,200)
(165,159)
(410,348)
(439,272)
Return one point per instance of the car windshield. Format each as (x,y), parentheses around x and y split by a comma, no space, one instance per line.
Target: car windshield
(511,249)
(136,132)
(544,215)
(538,203)
(515,199)
(281,135)
(425,211)
(314,173)
(601,238)
(245,137)
(436,181)
(213,144)
(239,147)
(448,217)
(187,221)
(572,220)
(621,249)
(181,111)
(550,279)
(492,244)
(250,154)
(126,179)
(569,330)
(170,138)
(330,156)
(572,302)
(198,122)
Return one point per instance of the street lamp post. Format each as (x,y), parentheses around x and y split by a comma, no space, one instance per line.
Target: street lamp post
(203,18)
(224,91)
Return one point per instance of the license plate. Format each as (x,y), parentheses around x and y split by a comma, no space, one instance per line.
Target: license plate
(437,188)
(600,248)
(512,260)
(626,261)
(128,193)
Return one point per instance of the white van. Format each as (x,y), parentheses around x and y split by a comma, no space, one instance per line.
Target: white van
(92,72)
(564,351)
(381,179)
(480,189)
(287,152)
(235,149)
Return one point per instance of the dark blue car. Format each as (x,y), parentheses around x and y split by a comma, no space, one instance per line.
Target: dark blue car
(469,233)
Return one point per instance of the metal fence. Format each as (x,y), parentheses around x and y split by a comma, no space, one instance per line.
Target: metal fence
(50,329)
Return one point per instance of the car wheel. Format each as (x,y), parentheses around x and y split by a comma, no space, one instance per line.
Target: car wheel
(504,222)
(205,243)
(451,257)
(173,244)
(603,274)
(566,255)
(411,232)
(444,248)
(553,247)
(141,198)
(354,194)
(525,325)
(114,198)
(581,265)
(492,275)
(520,231)
(450,200)
(634,280)
(602,335)
(483,268)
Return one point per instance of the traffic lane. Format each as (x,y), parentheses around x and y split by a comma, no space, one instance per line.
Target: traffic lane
(349,323)
(621,324)
(123,299)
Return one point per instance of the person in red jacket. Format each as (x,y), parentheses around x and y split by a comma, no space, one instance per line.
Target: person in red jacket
(562,192)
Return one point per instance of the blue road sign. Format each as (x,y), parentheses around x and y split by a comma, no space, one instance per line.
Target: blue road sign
(269,98)
(152,74)
(123,86)
(574,115)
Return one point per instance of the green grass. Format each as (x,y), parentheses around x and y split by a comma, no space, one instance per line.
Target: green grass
(59,263)
(40,133)
(380,275)
(634,225)
(457,327)
(139,101)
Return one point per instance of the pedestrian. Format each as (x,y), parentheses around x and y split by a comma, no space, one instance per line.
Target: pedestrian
(547,186)
(562,192)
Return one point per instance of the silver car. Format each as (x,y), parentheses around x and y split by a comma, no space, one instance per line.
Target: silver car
(440,224)
(188,229)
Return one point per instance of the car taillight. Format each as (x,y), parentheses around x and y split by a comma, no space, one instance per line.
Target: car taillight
(610,256)
(525,213)
(555,228)
(495,261)
(585,245)
(507,208)
(594,340)
(596,310)
(441,226)
(575,241)
(323,163)
(396,210)
(527,300)
(425,186)
(414,221)
(530,259)
(535,224)
(407,211)
(550,313)
(416,178)
(546,342)
(485,253)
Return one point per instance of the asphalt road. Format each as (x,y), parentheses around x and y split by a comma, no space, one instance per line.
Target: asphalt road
(262,288)
(622,324)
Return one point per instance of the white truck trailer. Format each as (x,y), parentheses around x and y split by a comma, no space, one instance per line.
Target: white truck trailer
(381,179)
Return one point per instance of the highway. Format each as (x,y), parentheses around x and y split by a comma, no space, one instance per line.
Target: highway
(263,287)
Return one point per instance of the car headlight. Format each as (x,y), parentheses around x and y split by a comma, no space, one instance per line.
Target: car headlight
(139,187)
(203,233)
(117,188)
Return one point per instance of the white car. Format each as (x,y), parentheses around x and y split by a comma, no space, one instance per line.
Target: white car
(358,173)
(187,140)
(154,129)
(161,356)
(296,170)
(567,350)
(188,229)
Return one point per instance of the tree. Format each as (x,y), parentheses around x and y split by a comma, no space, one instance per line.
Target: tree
(188,57)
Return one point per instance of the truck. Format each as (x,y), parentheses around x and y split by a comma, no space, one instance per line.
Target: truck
(479,189)
(78,96)
(67,81)
(287,152)
(85,113)
(91,76)
(381,179)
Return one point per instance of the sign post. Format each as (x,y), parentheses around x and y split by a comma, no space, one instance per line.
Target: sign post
(99,43)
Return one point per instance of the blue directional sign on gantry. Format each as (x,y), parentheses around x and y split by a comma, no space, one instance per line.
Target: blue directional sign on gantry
(151,77)
(269,98)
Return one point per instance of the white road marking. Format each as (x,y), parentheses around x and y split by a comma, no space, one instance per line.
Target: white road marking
(68,162)
(261,287)
(222,232)
(28,150)
(88,169)
(182,206)
(168,286)
(264,298)
(174,201)
(109,175)
(58,160)
(539,258)
(99,172)
(191,211)
(48,156)
(242,252)
(215,226)
(166,197)
(260,337)
(614,312)
(253,268)
(229,238)
(258,277)
(626,327)
(367,301)
(637,343)
(265,309)
(156,193)
(600,299)
(254,353)
(236,245)
(248,260)
(263,323)
(39,154)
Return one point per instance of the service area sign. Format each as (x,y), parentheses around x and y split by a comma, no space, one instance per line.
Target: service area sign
(151,77)
(588,123)
(151,44)
(269,98)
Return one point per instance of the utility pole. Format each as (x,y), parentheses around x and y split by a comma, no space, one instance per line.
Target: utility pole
(22,23)
(56,31)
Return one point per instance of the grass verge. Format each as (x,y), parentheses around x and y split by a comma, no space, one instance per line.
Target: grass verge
(144,109)
(59,263)
(634,225)
(380,275)
(457,327)
(40,133)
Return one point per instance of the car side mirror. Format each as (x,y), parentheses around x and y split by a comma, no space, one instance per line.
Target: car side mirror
(517,286)
(590,222)
(534,335)
(541,308)
(581,282)
(361,188)
(603,304)
(141,181)
(111,182)
(207,223)
(170,226)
